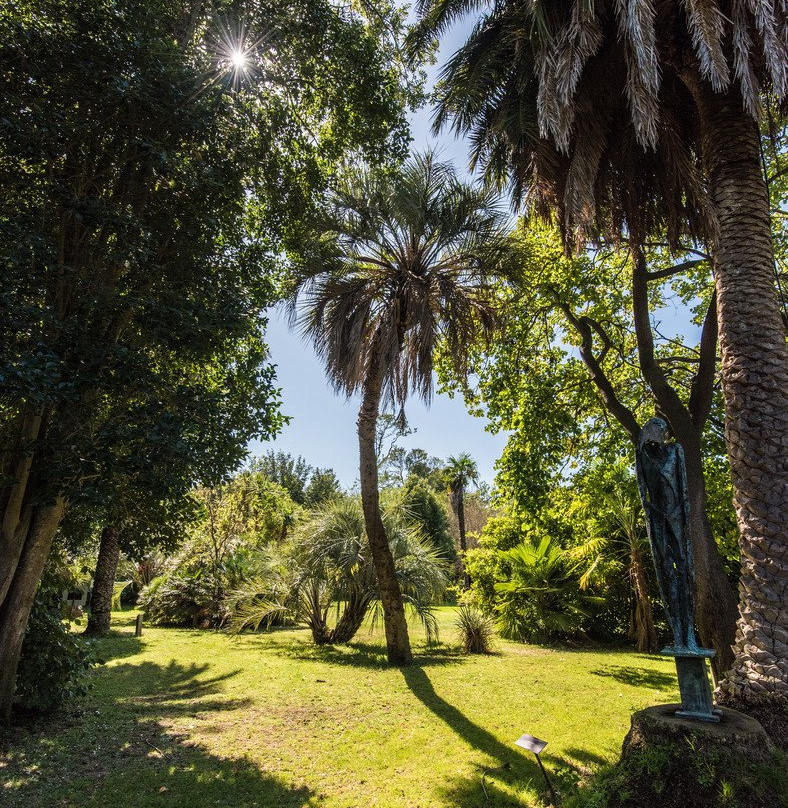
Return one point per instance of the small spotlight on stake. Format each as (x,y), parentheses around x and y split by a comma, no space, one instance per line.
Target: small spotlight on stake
(536,745)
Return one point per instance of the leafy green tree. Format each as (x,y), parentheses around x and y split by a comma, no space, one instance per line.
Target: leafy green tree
(421,506)
(638,120)
(322,488)
(402,262)
(292,473)
(580,347)
(149,186)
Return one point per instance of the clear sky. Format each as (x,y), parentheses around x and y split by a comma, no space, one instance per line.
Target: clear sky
(323,425)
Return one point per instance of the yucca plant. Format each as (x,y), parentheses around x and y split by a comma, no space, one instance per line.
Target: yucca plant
(476,630)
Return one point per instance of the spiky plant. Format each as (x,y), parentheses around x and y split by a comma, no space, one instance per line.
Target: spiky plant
(638,119)
(403,263)
(541,597)
(476,630)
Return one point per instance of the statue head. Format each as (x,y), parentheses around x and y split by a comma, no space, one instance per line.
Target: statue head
(655,431)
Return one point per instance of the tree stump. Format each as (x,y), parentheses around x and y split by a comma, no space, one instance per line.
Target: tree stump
(673,762)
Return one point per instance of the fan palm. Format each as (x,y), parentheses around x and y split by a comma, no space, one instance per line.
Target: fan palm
(638,118)
(330,567)
(460,471)
(403,264)
(624,548)
(540,598)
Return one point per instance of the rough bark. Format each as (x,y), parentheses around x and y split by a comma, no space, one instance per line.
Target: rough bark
(458,504)
(20,593)
(755,387)
(397,640)
(104,582)
(644,630)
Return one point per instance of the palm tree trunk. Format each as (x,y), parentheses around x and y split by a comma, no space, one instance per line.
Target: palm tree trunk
(463,539)
(397,640)
(646,639)
(104,582)
(755,388)
(352,617)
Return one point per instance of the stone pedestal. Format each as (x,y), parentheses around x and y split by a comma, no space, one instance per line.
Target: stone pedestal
(734,732)
(693,683)
(668,761)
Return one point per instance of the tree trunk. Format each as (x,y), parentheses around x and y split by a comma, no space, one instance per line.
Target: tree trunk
(755,387)
(463,540)
(104,582)
(397,640)
(646,639)
(714,599)
(352,617)
(20,592)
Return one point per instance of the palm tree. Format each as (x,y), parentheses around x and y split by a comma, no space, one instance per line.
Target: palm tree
(639,119)
(401,266)
(540,597)
(624,548)
(460,471)
(330,568)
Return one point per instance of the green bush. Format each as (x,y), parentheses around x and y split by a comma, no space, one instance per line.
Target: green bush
(54,663)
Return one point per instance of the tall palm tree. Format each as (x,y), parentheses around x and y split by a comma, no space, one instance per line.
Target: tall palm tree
(638,118)
(460,471)
(402,265)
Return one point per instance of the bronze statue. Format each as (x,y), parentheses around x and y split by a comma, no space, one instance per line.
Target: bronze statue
(662,479)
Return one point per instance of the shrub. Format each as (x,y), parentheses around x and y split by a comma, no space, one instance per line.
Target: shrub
(54,663)
(476,630)
(541,597)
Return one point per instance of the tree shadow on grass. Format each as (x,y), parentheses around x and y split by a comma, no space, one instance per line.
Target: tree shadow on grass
(360,654)
(512,772)
(638,677)
(117,645)
(124,750)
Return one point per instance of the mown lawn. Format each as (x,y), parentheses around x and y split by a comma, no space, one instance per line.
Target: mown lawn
(191,719)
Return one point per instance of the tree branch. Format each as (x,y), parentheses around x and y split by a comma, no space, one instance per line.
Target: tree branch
(702,389)
(674,270)
(583,326)
(667,398)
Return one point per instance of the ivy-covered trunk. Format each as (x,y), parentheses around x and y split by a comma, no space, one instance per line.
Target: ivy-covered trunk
(755,388)
(104,582)
(397,640)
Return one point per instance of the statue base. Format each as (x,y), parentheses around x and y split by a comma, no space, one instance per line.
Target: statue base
(696,701)
(673,762)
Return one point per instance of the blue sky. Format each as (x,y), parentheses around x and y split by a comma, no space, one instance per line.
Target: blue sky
(323,425)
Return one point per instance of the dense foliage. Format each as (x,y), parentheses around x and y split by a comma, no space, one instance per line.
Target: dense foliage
(54,663)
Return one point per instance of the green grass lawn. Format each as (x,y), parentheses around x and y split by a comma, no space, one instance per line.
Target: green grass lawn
(191,719)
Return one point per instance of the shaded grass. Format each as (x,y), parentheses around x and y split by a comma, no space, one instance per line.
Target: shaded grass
(193,719)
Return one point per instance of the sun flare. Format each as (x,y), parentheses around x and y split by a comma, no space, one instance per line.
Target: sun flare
(238,59)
